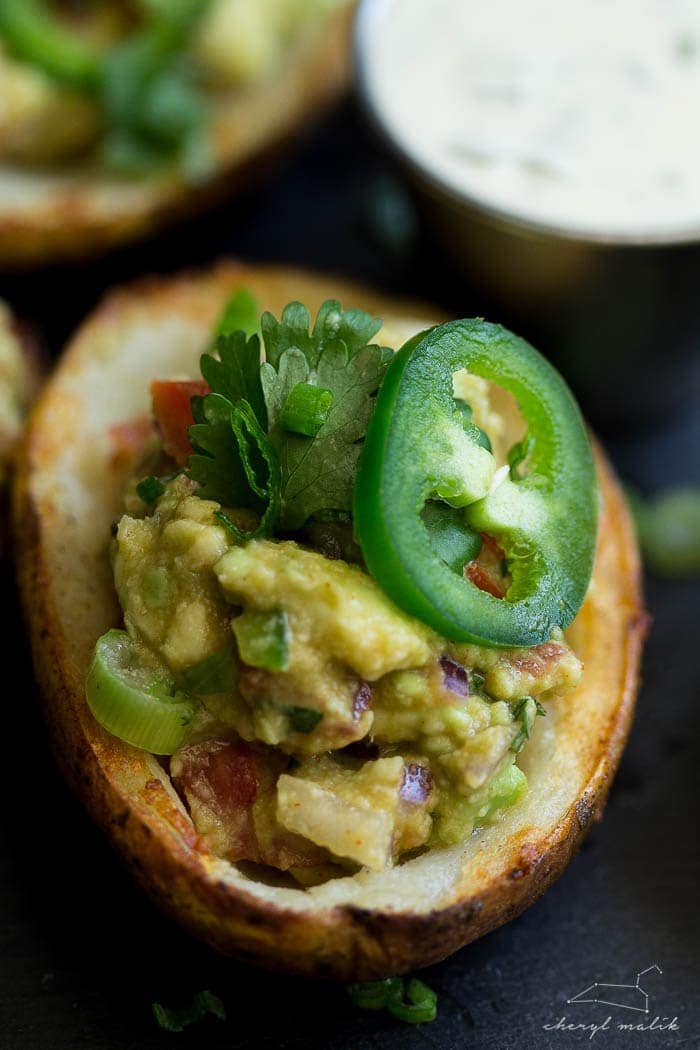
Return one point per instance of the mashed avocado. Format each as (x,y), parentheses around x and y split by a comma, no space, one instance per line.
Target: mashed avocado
(377,737)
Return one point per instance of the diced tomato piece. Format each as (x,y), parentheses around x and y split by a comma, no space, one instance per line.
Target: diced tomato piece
(173,413)
(128,440)
(221,772)
(219,779)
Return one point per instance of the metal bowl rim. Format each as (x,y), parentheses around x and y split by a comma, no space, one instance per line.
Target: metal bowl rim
(501,217)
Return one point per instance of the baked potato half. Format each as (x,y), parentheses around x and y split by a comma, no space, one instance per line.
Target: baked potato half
(74,208)
(364,926)
(21,372)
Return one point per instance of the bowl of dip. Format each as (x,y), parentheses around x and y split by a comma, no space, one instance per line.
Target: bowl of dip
(552,152)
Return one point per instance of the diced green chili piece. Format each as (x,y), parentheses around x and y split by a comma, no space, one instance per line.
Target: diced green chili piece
(306,409)
(263,639)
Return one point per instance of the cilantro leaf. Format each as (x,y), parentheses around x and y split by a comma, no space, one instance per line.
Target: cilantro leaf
(216,463)
(259,463)
(318,473)
(236,373)
(234,462)
(292,330)
(355,328)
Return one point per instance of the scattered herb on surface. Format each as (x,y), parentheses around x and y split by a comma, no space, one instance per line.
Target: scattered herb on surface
(406,998)
(176,1019)
(668,527)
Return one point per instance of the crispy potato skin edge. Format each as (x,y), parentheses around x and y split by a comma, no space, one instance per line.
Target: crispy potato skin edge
(160,848)
(66,228)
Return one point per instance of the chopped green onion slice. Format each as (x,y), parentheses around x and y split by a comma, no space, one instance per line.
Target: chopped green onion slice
(303,719)
(215,674)
(306,409)
(131,702)
(178,1018)
(150,489)
(263,639)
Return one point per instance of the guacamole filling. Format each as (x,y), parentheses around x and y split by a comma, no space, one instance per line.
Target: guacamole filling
(131,84)
(314,725)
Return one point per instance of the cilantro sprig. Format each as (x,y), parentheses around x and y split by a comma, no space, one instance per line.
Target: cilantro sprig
(247,452)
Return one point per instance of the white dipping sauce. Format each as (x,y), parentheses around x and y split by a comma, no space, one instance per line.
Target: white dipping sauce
(576,113)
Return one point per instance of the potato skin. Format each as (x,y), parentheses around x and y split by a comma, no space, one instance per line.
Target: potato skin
(422,911)
(80,212)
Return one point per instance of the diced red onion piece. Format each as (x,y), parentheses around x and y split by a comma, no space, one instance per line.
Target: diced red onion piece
(361,700)
(454,676)
(417,783)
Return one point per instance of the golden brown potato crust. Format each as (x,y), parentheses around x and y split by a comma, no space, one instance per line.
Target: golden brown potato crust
(81,211)
(362,927)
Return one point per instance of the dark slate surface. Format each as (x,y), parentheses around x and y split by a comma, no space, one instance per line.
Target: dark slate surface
(84,954)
